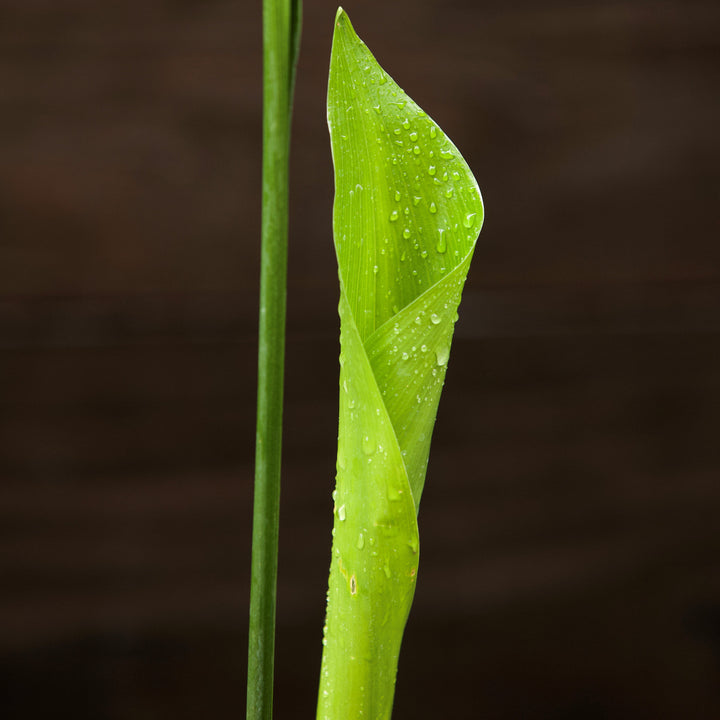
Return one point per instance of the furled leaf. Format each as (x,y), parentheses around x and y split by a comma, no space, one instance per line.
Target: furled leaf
(406,218)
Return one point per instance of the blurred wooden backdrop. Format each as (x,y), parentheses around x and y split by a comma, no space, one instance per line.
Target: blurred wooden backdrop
(570,562)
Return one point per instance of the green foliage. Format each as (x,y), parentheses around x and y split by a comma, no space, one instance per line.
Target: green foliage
(406,218)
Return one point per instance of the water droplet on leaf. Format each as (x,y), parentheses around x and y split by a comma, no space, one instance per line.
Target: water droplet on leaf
(368,445)
(442,354)
(441,246)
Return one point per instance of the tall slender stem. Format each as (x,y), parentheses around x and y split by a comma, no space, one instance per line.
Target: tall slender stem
(280,34)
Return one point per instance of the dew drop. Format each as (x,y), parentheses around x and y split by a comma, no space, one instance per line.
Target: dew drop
(435,319)
(433,208)
(405,356)
(413,136)
(416,199)
(442,354)
(394,216)
(368,445)
(416,150)
(406,233)
(433,131)
(397,196)
(441,246)
(469,220)
(341,513)
(360,542)
(449,193)
(406,123)
(431,170)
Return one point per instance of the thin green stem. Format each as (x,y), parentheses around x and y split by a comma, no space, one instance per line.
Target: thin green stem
(280,36)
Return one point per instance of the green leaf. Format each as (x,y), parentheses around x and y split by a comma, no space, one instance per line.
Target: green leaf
(406,218)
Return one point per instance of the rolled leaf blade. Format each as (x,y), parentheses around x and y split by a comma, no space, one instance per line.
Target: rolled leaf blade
(406,217)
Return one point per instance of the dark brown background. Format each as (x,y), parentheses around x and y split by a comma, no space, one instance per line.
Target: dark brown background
(570,564)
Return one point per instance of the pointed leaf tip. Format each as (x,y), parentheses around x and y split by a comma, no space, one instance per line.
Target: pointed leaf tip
(342,21)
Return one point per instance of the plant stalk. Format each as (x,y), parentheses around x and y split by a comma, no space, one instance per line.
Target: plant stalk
(281,22)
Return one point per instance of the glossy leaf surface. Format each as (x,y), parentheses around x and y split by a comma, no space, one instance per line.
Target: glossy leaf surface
(406,218)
